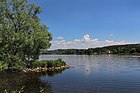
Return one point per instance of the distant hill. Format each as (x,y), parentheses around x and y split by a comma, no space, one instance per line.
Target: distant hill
(115,49)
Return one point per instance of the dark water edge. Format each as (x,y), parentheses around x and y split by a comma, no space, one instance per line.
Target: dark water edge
(30,82)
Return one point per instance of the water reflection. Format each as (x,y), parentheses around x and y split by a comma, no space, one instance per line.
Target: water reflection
(97,74)
(30,82)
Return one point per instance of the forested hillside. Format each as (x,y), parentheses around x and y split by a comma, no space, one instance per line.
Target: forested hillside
(116,49)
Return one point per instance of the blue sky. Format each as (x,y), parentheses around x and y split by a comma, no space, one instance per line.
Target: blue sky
(74,23)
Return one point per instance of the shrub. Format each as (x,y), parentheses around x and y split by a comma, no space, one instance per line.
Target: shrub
(48,63)
(3,66)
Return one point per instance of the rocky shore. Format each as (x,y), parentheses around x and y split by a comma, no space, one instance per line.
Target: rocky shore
(44,69)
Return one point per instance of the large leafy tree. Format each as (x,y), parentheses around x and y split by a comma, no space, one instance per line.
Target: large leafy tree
(22,36)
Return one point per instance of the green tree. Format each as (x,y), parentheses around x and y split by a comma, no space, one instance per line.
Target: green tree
(22,36)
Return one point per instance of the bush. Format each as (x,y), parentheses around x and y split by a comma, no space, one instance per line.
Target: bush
(3,66)
(48,63)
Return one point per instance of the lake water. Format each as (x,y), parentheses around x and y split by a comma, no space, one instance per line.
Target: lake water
(89,74)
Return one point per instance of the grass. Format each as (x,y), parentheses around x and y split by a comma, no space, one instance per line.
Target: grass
(35,64)
(48,63)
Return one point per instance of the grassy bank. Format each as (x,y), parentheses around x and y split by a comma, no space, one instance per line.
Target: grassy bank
(36,66)
(48,63)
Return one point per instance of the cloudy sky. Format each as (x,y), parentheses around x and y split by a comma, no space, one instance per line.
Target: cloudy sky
(91,23)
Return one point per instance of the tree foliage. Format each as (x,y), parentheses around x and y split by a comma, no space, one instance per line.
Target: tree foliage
(116,49)
(22,36)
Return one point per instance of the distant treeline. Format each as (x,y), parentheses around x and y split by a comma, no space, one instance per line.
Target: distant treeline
(116,49)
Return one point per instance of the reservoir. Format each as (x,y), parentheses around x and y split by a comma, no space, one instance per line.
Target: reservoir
(89,74)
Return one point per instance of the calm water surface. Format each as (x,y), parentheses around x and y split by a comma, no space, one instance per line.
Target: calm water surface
(90,74)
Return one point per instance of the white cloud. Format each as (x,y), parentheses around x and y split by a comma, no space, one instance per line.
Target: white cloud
(77,40)
(60,37)
(86,38)
(84,43)
(109,41)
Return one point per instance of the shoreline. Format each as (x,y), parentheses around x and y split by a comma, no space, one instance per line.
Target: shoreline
(44,69)
(97,54)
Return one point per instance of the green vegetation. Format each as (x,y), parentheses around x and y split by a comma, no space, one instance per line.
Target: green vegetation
(66,51)
(48,63)
(22,36)
(16,67)
(116,49)
(35,64)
